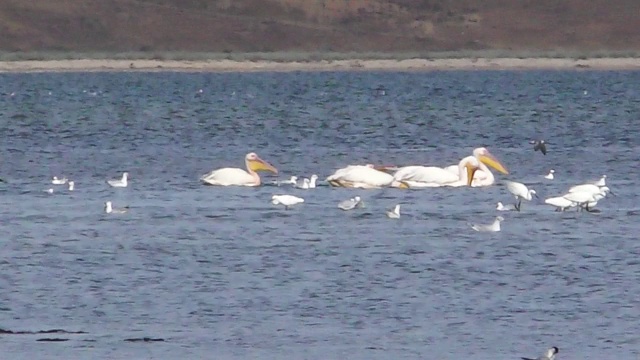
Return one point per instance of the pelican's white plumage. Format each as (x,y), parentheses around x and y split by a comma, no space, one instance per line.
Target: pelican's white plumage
(286,200)
(520,191)
(119,182)
(395,213)
(239,177)
(361,177)
(56,181)
(493,227)
(350,204)
(432,176)
(550,174)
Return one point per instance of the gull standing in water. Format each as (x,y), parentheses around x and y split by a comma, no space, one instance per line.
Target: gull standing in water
(307,183)
(286,200)
(350,204)
(119,182)
(108,208)
(291,181)
(520,191)
(71,185)
(493,227)
(549,355)
(57,181)
(550,175)
(395,213)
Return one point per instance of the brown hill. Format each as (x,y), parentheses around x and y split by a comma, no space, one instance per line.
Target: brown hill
(318,25)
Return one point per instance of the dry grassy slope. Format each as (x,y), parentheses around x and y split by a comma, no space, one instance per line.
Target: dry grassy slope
(318,25)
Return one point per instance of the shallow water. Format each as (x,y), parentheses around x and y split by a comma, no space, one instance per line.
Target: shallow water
(221,272)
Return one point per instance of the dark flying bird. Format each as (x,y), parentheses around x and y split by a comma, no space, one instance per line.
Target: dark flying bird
(539,145)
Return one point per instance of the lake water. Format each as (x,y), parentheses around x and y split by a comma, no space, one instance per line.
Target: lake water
(222,273)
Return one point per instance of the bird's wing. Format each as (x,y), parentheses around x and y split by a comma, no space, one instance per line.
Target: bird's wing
(541,147)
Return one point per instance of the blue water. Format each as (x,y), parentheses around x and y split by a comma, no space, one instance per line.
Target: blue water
(222,273)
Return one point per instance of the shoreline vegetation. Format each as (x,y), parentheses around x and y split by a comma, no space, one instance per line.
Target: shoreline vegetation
(298,61)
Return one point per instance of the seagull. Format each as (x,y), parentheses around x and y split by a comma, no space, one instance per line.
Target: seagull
(57,181)
(119,182)
(291,181)
(550,175)
(71,185)
(286,200)
(395,213)
(108,208)
(501,207)
(493,227)
(350,204)
(549,355)
(539,145)
(520,191)
(307,183)
(49,191)
(601,182)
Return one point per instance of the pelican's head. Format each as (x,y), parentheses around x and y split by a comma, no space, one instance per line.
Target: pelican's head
(488,159)
(254,163)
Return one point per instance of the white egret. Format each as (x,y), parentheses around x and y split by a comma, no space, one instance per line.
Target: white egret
(520,191)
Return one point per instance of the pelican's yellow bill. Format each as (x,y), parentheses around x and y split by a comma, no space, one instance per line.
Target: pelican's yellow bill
(261,165)
(490,160)
(471,171)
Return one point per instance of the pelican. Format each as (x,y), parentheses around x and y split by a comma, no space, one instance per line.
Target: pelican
(493,227)
(431,176)
(549,355)
(395,213)
(239,177)
(501,207)
(286,200)
(71,185)
(350,204)
(560,203)
(601,182)
(119,182)
(362,177)
(108,208)
(56,181)
(550,175)
(520,191)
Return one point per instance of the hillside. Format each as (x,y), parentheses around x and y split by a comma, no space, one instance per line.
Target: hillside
(318,25)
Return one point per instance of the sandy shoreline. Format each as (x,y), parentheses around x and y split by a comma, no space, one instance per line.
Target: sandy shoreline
(92,65)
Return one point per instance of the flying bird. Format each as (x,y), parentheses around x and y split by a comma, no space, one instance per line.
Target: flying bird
(539,145)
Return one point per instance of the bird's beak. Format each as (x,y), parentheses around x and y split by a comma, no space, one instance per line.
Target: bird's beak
(490,160)
(258,164)
(471,171)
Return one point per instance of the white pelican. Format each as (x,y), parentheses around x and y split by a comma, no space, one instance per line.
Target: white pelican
(57,181)
(431,176)
(550,175)
(549,355)
(119,182)
(350,204)
(520,191)
(239,177)
(493,227)
(602,181)
(108,208)
(362,177)
(501,207)
(71,185)
(286,200)
(395,213)
(560,203)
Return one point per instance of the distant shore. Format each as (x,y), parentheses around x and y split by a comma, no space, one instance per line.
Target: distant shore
(223,65)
